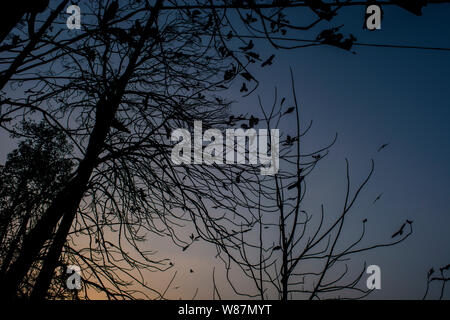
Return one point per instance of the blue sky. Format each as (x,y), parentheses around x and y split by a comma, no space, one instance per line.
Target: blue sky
(377,96)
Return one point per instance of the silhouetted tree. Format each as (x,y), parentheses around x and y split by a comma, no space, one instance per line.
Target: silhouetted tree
(440,279)
(16,10)
(290,251)
(31,177)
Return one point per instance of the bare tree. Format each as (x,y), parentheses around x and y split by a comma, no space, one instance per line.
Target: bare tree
(290,251)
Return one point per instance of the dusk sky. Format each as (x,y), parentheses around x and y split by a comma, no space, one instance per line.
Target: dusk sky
(373,97)
(376,96)
(379,95)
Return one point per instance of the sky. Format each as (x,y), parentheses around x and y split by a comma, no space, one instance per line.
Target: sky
(376,96)
(373,97)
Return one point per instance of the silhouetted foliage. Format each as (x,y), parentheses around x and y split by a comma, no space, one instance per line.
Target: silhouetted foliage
(440,278)
(32,176)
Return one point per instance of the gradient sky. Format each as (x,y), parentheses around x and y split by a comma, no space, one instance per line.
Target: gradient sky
(382,95)
(376,96)
(379,95)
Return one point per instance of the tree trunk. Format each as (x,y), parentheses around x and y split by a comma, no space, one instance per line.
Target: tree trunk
(51,261)
(67,201)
